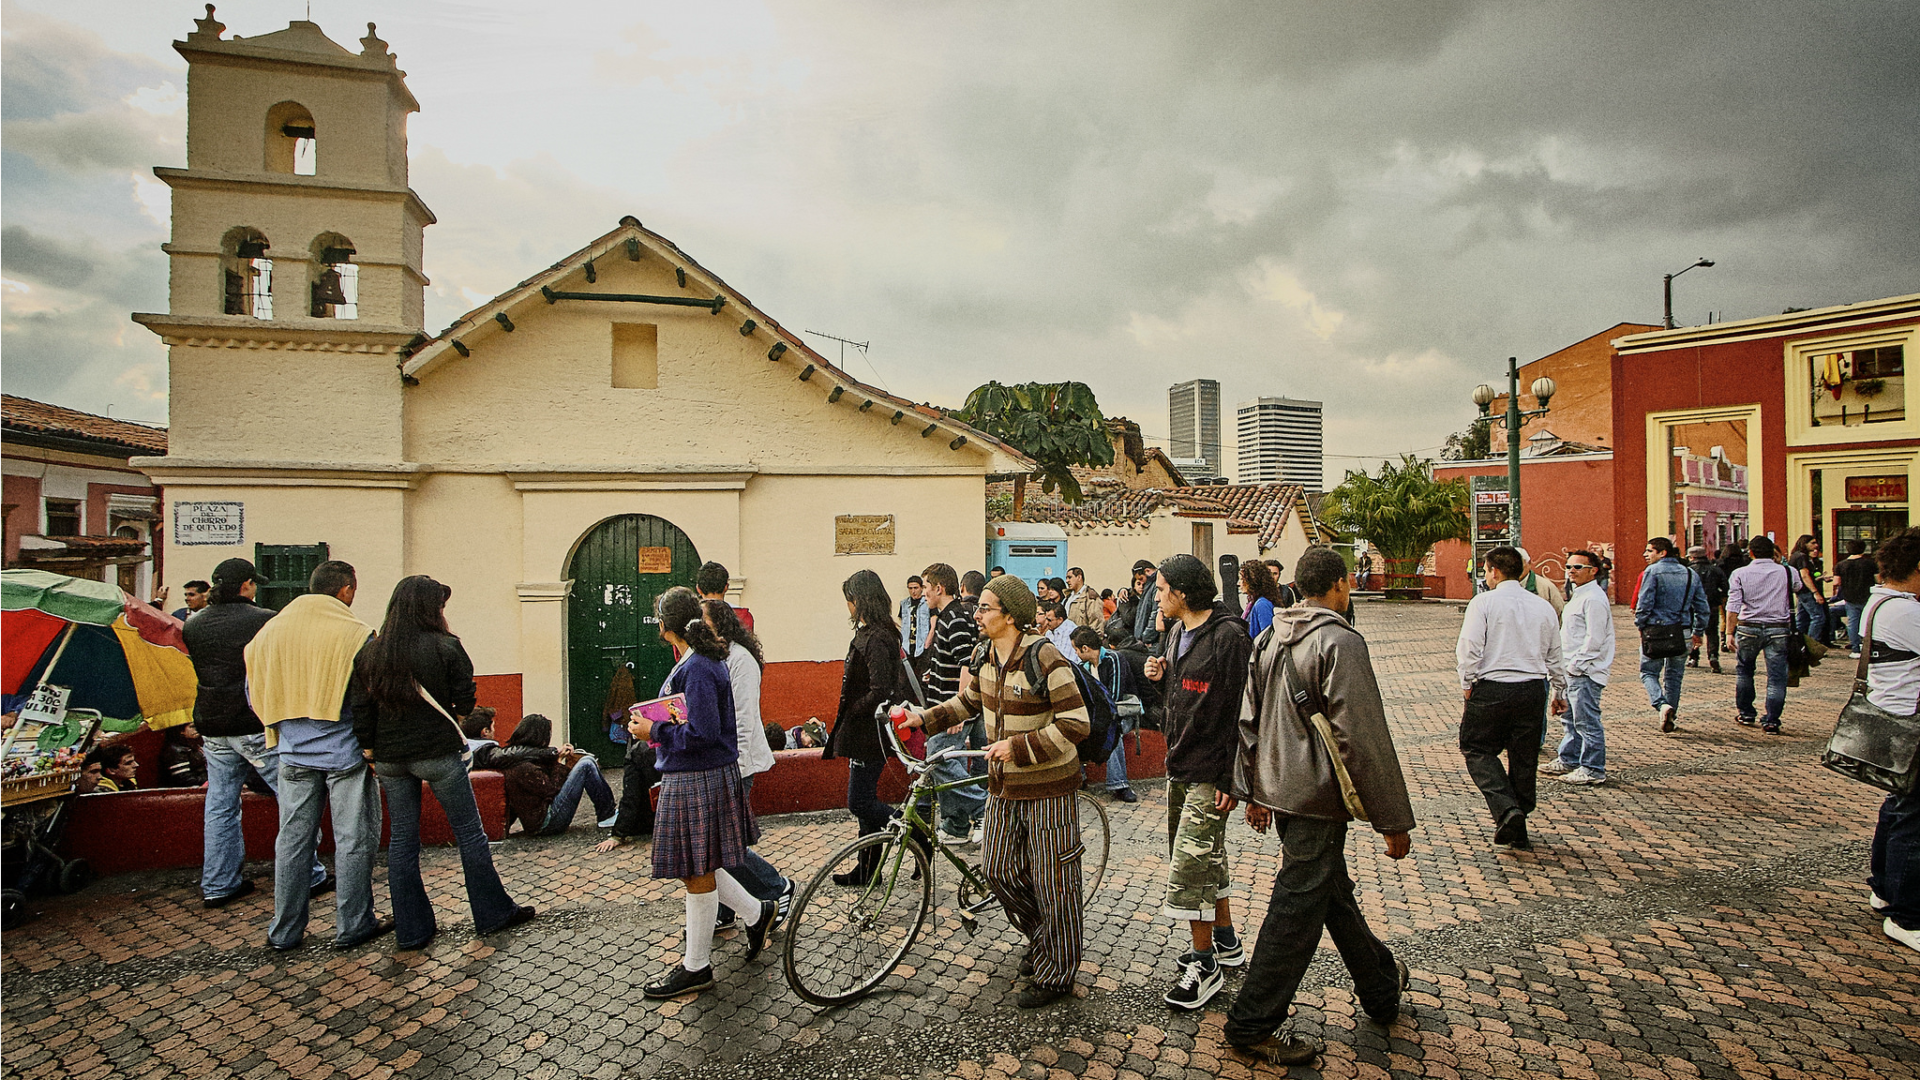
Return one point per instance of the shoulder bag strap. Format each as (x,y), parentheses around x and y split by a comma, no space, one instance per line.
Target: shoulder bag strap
(466,752)
(1316,721)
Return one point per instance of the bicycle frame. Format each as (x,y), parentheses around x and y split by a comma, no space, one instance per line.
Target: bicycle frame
(910,819)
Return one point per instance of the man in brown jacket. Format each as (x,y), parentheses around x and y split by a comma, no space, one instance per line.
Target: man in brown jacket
(1031,850)
(1311,661)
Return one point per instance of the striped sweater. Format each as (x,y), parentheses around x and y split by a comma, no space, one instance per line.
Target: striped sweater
(1044,728)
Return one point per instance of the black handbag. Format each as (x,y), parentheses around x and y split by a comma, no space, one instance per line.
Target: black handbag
(1869,744)
(1660,642)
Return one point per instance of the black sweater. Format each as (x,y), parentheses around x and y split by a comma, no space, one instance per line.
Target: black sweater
(217,640)
(1203,691)
(872,675)
(415,730)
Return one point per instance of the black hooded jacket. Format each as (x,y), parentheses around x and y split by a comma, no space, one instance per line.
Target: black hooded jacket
(1203,689)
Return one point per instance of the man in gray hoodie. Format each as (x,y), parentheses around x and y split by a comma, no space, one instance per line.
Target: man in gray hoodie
(1312,661)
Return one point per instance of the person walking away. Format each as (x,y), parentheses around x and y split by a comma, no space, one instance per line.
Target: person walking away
(1261,596)
(1283,773)
(950,648)
(712,582)
(1032,848)
(232,737)
(1508,656)
(1854,583)
(1586,646)
(871,677)
(1893,684)
(1714,580)
(1810,614)
(1113,673)
(543,791)
(1084,605)
(1671,595)
(1759,618)
(745,661)
(300,678)
(409,684)
(916,622)
(704,823)
(1204,675)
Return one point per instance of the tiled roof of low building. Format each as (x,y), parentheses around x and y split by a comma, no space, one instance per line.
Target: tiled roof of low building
(28,416)
(1261,508)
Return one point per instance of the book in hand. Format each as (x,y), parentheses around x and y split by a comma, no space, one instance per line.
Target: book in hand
(671,709)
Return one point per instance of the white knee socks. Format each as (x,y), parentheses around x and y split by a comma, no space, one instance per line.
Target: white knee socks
(735,895)
(701,910)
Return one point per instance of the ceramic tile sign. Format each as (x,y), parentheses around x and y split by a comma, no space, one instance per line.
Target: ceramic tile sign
(863,534)
(209,524)
(656,560)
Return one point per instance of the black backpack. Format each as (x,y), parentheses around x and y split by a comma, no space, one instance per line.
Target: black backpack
(1103,722)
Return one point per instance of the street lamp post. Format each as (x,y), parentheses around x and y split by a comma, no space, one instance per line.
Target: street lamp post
(1483,396)
(1666,283)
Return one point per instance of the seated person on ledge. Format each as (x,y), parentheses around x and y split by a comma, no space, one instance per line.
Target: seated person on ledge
(477,726)
(183,761)
(635,819)
(543,790)
(117,766)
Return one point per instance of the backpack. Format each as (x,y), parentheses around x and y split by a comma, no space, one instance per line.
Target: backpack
(1103,727)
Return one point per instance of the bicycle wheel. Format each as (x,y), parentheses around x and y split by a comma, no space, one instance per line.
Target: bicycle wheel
(843,939)
(1094,836)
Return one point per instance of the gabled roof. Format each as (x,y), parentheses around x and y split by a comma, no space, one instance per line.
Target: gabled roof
(29,417)
(450,344)
(1253,508)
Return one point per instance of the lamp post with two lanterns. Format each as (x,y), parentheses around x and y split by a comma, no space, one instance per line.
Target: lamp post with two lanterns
(1483,396)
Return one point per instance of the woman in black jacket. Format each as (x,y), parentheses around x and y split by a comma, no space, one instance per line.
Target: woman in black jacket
(872,676)
(410,681)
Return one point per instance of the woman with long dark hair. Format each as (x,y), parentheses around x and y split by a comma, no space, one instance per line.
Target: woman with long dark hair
(871,676)
(543,792)
(703,823)
(410,681)
(745,659)
(1263,595)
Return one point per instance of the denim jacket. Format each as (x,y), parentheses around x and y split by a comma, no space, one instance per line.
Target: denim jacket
(1670,594)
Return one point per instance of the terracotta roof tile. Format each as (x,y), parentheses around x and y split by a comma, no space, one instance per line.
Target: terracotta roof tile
(39,418)
(1261,508)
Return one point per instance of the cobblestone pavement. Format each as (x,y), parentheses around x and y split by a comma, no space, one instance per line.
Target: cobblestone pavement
(1703,914)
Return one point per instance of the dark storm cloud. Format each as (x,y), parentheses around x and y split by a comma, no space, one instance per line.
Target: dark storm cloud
(37,258)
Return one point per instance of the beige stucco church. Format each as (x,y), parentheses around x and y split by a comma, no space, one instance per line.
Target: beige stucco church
(558,456)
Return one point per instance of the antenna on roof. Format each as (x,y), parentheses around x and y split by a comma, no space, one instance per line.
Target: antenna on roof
(861,345)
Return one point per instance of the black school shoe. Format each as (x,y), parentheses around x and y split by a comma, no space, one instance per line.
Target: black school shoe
(520,915)
(680,981)
(758,930)
(247,888)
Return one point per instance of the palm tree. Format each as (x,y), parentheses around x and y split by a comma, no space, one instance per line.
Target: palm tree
(1404,512)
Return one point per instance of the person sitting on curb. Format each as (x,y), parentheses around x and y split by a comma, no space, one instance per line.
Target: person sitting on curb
(117,767)
(477,726)
(543,788)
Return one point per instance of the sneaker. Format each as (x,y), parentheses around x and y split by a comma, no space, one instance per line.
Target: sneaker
(680,981)
(1125,795)
(609,821)
(725,922)
(978,834)
(1745,721)
(1227,950)
(1037,996)
(1854,655)
(1200,979)
(1874,902)
(1909,938)
(948,839)
(1583,775)
(1666,719)
(1556,767)
(1770,729)
(246,888)
(782,904)
(1274,1050)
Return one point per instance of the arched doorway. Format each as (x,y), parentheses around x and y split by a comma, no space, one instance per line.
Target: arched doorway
(620,567)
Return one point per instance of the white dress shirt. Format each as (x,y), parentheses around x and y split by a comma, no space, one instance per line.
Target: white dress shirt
(1586,633)
(1062,638)
(1511,635)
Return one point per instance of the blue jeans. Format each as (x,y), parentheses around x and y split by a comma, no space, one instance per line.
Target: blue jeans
(412,911)
(584,779)
(228,757)
(354,804)
(1894,865)
(1117,761)
(1661,676)
(1811,617)
(1585,743)
(961,807)
(1749,641)
(1854,612)
(756,875)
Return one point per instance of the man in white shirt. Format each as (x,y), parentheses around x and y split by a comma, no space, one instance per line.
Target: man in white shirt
(1586,645)
(1053,622)
(1509,652)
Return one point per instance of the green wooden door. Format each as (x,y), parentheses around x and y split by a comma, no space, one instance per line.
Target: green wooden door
(610,623)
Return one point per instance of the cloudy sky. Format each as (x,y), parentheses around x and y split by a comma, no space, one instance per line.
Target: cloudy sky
(1370,204)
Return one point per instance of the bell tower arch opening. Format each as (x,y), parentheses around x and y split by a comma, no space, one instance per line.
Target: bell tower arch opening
(246,273)
(292,144)
(335,289)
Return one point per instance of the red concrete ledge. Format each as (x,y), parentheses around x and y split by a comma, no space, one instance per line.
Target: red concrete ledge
(165,828)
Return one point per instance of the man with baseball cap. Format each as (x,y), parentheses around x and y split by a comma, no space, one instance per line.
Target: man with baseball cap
(232,734)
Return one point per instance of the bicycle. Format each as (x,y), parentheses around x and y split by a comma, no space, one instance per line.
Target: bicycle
(842,940)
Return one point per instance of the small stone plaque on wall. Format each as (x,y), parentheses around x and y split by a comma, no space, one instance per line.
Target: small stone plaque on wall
(863,534)
(656,560)
(213,524)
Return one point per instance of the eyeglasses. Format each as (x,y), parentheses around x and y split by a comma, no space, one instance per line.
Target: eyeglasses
(991,607)
(1571,567)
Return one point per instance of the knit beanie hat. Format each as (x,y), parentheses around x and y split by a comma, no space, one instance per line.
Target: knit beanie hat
(1016,599)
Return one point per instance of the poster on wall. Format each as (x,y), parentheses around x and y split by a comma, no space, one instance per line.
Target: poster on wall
(863,534)
(209,524)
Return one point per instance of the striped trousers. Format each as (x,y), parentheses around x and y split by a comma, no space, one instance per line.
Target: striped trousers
(1031,858)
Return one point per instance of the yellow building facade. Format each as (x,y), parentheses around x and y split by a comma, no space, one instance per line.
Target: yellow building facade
(558,456)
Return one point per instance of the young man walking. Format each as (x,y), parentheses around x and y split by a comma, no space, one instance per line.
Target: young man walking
(1671,594)
(951,645)
(1508,654)
(916,623)
(1031,854)
(1314,662)
(299,667)
(1203,673)
(1714,580)
(1759,618)
(1586,646)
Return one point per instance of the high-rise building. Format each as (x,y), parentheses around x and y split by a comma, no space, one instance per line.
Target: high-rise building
(1193,418)
(1281,441)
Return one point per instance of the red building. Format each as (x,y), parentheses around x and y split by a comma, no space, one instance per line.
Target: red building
(1565,504)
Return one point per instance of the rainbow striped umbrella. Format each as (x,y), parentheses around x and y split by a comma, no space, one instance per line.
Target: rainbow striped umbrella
(120,657)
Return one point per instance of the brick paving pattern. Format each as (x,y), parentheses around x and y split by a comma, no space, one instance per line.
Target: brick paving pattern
(1702,915)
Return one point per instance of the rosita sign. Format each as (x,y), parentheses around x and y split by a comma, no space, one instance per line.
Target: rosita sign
(1877,489)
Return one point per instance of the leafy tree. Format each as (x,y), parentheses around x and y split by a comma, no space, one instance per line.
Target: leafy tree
(1472,444)
(1404,511)
(1058,425)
